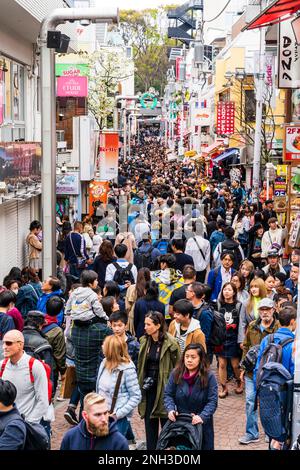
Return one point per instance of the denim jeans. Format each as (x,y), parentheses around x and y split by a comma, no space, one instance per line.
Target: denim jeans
(123,425)
(252,416)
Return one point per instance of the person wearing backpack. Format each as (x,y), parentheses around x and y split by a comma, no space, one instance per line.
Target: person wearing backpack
(229,245)
(199,249)
(120,271)
(7,299)
(146,254)
(12,426)
(273,379)
(257,330)
(28,376)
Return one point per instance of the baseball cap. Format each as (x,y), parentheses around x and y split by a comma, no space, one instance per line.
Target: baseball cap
(273,253)
(266,303)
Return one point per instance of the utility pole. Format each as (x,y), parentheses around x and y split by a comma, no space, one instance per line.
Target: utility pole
(50,23)
(296,394)
(259,109)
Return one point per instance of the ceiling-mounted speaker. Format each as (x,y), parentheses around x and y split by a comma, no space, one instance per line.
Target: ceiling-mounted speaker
(64,44)
(53,39)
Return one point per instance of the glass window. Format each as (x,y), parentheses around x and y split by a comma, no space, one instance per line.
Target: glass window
(7,93)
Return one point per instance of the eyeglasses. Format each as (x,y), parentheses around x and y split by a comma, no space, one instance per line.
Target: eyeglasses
(10,343)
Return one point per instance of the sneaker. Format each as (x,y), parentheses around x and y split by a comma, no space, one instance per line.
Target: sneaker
(247,439)
(70,416)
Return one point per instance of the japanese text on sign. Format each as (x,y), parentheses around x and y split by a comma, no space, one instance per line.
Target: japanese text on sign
(225,118)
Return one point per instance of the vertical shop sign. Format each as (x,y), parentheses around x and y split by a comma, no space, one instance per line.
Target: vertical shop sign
(225,118)
(108,155)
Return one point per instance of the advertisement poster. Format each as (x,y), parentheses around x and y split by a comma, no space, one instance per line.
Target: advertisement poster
(291,151)
(108,156)
(98,193)
(67,183)
(20,163)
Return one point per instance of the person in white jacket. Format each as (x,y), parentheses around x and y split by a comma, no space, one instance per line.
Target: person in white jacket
(275,235)
(199,249)
(117,364)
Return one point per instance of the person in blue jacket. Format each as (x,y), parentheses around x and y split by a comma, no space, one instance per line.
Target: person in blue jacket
(12,425)
(30,292)
(50,288)
(219,276)
(193,389)
(287,318)
(96,431)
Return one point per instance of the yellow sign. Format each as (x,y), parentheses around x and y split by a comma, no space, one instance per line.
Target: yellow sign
(282,170)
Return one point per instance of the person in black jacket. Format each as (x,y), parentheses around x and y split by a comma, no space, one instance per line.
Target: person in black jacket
(105,257)
(35,342)
(12,426)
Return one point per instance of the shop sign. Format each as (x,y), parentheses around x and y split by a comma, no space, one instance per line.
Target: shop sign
(291,151)
(72,86)
(225,118)
(289,58)
(67,183)
(280,192)
(71,70)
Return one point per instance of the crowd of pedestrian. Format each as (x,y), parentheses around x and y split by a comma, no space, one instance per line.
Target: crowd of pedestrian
(143,305)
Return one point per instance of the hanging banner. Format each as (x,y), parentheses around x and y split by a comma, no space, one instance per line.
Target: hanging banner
(225,117)
(72,86)
(108,155)
(288,57)
(98,191)
(291,150)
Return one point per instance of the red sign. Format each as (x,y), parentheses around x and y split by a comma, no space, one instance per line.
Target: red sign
(72,86)
(225,118)
(291,151)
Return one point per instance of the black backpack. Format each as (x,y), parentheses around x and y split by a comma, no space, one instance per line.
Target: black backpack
(36,437)
(144,259)
(123,274)
(272,353)
(218,330)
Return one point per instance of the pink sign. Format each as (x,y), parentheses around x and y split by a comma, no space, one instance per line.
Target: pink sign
(1,98)
(72,86)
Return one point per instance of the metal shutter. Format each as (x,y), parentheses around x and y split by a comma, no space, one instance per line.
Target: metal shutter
(10,248)
(24,215)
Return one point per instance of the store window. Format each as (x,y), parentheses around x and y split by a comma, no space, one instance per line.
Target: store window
(13,100)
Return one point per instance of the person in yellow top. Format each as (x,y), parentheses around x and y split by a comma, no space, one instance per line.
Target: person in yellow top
(184,327)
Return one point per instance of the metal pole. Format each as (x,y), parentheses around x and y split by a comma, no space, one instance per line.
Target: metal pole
(56,17)
(48,162)
(296,397)
(125,135)
(259,111)
(129,136)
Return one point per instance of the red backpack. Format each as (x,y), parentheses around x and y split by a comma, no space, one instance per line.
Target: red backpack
(31,361)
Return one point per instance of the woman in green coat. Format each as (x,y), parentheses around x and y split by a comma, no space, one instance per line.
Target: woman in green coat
(159,354)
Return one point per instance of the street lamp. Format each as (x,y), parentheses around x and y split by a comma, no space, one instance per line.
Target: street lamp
(49,24)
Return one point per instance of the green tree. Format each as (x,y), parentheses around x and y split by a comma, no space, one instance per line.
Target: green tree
(107,69)
(146,32)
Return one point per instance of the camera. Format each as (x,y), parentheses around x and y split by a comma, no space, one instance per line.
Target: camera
(148,383)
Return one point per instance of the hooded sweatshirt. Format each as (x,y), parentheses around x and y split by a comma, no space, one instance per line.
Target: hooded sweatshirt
(167,280)
(192,335)
(84,305)
(78,438)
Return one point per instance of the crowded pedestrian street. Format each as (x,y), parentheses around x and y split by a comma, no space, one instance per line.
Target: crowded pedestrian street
(150,229)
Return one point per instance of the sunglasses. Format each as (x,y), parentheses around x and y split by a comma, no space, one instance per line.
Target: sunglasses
(10,343)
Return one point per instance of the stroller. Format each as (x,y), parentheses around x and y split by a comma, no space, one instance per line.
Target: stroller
(180,435)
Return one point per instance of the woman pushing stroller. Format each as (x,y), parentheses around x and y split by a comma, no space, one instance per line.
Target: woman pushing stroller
(192,388)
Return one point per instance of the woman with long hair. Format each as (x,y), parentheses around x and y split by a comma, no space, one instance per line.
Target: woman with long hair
(149,301)
(239,281)
(30,292)
(159,354)
(231,309)
(134,293)
(192,388)
(246,269)
(257,292)
(118,365)
(270,286)
(254,248)
(105,257)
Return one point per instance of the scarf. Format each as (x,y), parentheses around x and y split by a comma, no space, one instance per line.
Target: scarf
(190,379)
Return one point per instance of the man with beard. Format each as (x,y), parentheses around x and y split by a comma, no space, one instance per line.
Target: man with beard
(97,429)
